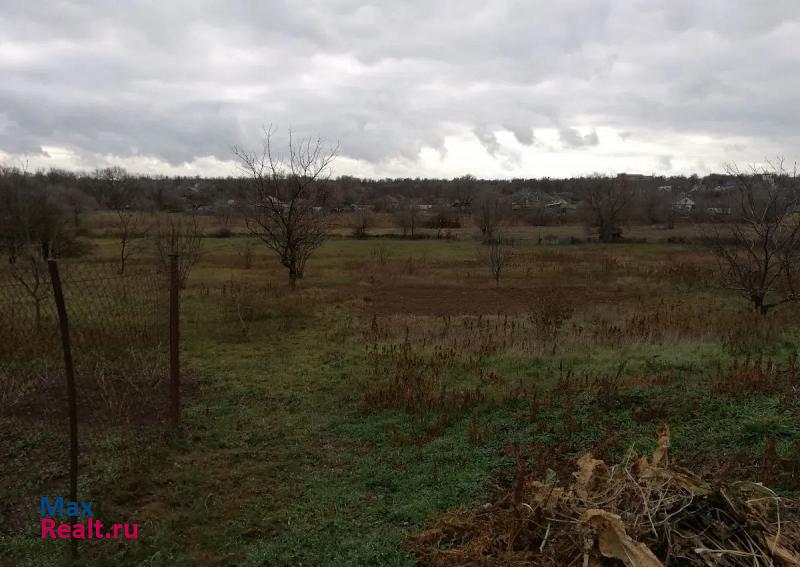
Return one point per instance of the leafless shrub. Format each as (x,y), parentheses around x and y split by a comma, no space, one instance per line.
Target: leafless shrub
(178,234)
(609,201)
(117,193)
(125,388)
(442,221)
(29,270)
(407,218)
(497,255)
(362,220)
(381,255)
(759,253)
(491,212)
(131,229)
(246,305)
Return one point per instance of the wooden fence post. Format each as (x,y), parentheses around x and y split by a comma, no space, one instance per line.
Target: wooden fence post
(174,341)
(72,397)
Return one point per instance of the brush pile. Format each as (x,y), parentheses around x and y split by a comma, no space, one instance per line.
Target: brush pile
(641,512)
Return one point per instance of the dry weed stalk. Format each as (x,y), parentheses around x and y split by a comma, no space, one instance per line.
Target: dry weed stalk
(642,512)
(415,381)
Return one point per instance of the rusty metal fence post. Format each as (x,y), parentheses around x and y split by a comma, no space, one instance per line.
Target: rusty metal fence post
(72,397)
(174,341)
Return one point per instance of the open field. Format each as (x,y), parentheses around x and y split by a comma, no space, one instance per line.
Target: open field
(399,382)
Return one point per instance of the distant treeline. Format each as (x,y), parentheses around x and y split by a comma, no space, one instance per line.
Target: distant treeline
(104,188)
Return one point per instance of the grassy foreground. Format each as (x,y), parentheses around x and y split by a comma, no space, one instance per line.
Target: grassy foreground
(322,427)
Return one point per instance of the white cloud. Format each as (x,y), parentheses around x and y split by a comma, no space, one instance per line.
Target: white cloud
(409,88)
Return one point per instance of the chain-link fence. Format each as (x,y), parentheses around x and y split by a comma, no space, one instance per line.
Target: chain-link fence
(119,331)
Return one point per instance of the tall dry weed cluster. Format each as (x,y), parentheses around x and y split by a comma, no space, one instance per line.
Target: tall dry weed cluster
(446,367)
(401,378)
(553,326)
(246,305)
(758,375)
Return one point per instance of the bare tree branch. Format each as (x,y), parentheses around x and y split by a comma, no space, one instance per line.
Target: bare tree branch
(285,206)
(759,252)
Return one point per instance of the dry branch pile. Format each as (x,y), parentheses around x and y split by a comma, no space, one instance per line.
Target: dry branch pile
(639,513)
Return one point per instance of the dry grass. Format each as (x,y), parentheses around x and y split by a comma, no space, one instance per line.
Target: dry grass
(401,378)
(642,512)
(759,375)
(118,335)
(401,369)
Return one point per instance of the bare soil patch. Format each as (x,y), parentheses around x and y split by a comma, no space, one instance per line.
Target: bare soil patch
(438,300)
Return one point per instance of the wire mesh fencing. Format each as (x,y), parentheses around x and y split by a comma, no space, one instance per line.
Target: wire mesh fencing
(119,331)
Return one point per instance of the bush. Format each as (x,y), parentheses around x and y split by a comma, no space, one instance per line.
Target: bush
(75,248)
(222,232)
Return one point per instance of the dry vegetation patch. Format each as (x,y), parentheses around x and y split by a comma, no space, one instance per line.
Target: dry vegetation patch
(640,512)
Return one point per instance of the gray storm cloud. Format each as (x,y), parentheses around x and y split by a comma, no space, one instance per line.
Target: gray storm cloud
(179,81)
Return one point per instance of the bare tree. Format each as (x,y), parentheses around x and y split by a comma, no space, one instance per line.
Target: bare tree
(609,201)
(131,229)
(491,212)
(284,208)
(13,209)
(442,220)
(407,217)
(76,202)
(31,230)
(655,207)
(180,234)
(116,192)
(759,251)
(497,255)
(464,191)
(29,269)
(30,215)
(362,220)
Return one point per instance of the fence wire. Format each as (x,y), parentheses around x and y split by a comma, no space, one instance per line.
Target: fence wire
(119,329)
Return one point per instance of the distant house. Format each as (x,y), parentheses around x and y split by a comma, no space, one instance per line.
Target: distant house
(684,204)
(388,203)
(529,200)
(664,188)
(423,207)
(557,204)
(718,211)
(358,207)
(273,203)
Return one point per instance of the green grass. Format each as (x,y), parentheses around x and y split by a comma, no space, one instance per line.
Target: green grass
(277,463)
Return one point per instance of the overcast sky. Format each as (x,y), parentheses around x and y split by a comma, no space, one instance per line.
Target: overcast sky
(409,88)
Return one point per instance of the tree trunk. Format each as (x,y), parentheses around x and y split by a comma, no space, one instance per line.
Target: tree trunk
(759,305)
(122,254)
(37,306)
